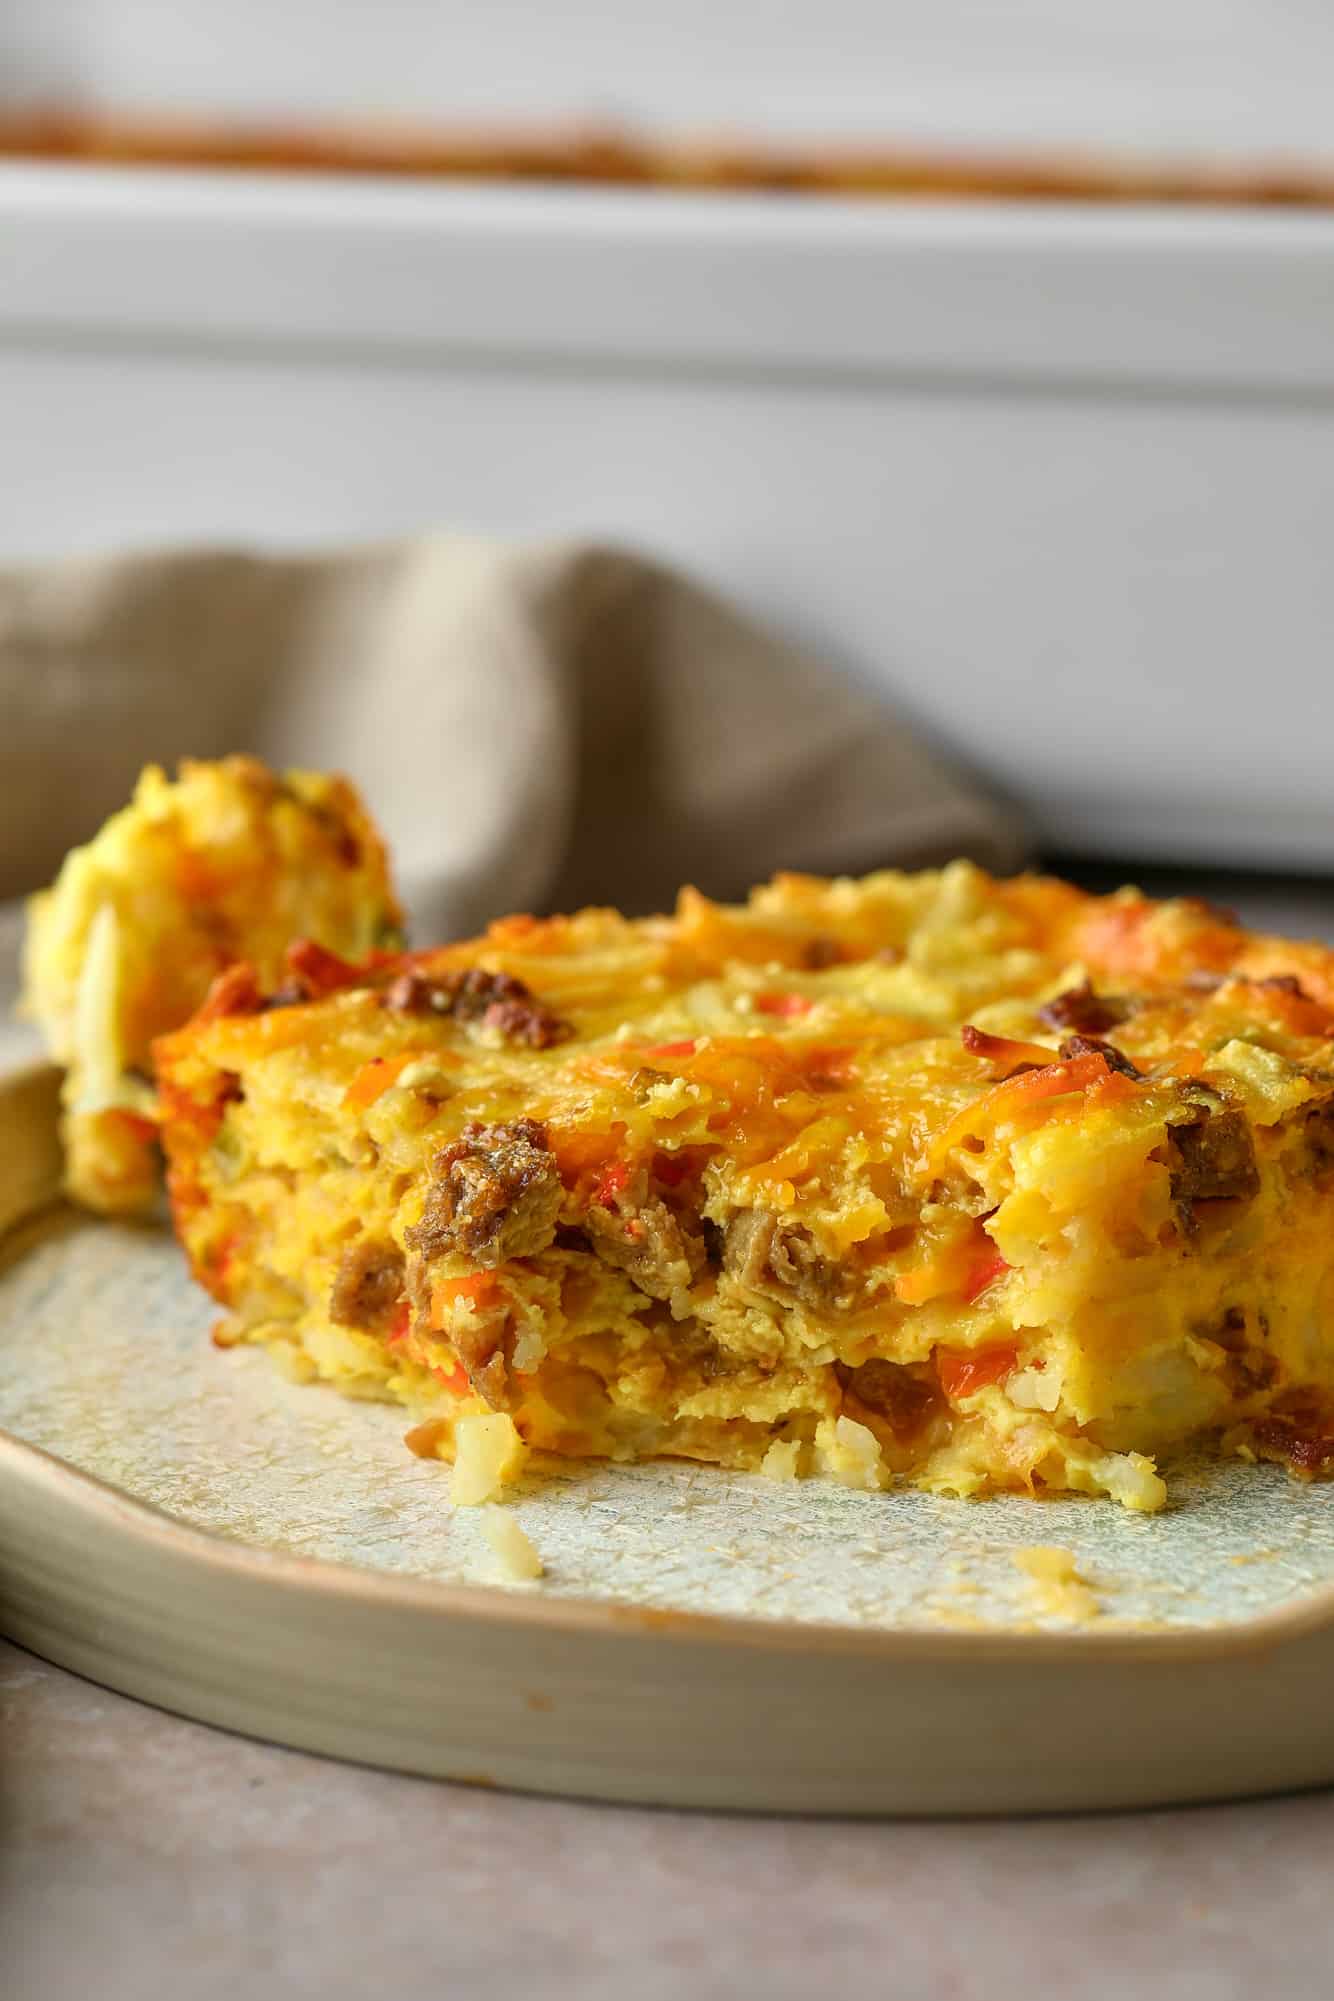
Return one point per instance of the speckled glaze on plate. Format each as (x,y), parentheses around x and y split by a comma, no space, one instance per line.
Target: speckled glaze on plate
(187,1526)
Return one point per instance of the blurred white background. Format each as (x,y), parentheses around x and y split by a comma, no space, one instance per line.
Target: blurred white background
(1059,477)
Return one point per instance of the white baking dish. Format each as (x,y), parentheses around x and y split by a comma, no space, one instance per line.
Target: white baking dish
(1248,80)
(1062,480)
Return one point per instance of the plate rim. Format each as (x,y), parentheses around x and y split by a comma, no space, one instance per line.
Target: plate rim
(24,1466)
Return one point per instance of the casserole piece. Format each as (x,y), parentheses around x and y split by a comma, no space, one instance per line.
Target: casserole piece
(969,1183)
(228,861)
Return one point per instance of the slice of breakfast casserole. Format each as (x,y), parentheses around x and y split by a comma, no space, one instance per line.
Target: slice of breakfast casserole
(977,1184)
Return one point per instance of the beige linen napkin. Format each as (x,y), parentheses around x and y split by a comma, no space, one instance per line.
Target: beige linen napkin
(534,726)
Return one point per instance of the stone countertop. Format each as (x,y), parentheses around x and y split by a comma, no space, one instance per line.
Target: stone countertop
(141,1854)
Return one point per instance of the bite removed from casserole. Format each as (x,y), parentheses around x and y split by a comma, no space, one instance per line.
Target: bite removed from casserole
(972,1184)
(229,861)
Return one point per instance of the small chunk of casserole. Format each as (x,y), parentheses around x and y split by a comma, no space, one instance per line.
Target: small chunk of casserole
(229,861)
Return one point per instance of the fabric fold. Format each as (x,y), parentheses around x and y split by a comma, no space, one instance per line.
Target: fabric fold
(535,726)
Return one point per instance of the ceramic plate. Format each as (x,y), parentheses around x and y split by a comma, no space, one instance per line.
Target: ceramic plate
(187,1526)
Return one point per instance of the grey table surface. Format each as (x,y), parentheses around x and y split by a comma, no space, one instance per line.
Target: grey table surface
(145,1855)
(142,1854)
